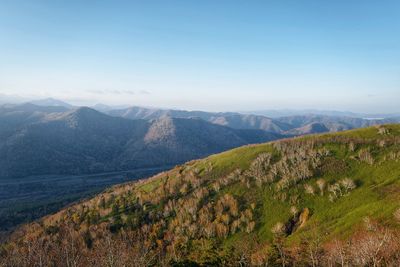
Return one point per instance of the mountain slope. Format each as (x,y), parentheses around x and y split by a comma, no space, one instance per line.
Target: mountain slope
(311,128)
(316,200)
(13,117)
(79,141)
(229,119)
(83,140)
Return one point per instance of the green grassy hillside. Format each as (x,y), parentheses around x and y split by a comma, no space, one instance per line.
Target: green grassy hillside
(315,200)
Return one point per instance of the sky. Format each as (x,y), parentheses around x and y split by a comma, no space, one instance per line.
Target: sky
(205,55)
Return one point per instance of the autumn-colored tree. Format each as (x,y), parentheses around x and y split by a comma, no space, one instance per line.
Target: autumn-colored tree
(321,185)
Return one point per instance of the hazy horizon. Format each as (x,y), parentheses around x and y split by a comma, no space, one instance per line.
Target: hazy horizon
(269,112)
(213,56)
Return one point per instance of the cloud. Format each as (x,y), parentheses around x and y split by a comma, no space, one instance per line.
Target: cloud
(96,91)
(144,92)
(116,92)
(129,92)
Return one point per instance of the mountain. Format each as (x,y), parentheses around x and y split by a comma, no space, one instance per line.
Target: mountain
(14,117)
(241,121)
(276,113)
(11,99)
(155,113)
(53,140)
(332,123)
(229,119)
(77,141)
(289,125)
(174,140)
(314,127)
(321,200)
(51,102)
(29,107)
(83,140)
(106,108)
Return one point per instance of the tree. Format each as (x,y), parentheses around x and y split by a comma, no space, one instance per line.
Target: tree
(309,189)
(335,190)
(321,185)
(348,184)
(366,156)
(396,215)
(352,146)
(102,203)
(382,130)
(294,211)
(87,238)
(278,228)
(221,230)
(278,253)
(259,167)
(250,227)
(314,246)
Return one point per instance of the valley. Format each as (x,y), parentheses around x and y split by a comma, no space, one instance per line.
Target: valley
(26,199)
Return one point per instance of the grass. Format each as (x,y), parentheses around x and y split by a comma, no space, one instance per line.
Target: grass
(377,194)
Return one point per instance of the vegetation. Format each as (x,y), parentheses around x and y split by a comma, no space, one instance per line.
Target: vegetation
(27,199)
(39,141)
(324,200)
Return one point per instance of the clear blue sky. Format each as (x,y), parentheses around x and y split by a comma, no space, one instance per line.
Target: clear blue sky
(210,55)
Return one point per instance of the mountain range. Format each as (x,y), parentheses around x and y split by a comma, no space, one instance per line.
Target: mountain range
(56,140)
(276,113)
(289,125)
(39,139)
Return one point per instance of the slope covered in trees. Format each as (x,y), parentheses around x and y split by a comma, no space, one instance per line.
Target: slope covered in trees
(38,140)
(323,200)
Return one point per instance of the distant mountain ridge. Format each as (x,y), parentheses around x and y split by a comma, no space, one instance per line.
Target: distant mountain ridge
(270,113)
(295,124)
(60,140)
(48,102)
(55,140)
(276,113)
(283,121)
(230,119)
(286,125)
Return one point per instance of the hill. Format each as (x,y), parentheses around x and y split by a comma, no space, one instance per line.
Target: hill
(321,200)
